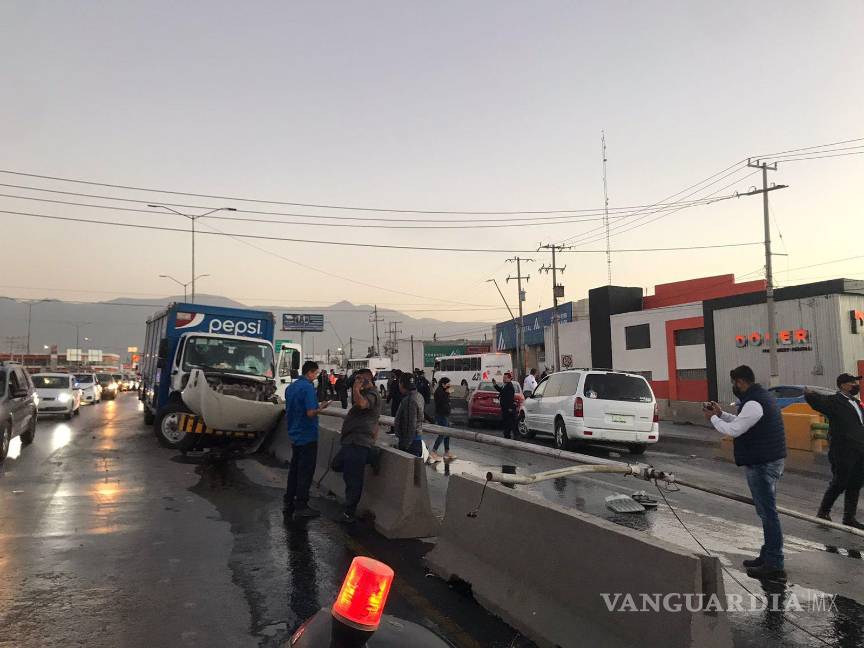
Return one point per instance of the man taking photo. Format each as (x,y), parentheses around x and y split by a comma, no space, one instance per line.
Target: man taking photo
(359,431)
(759,440)
(845,446)
(507,399)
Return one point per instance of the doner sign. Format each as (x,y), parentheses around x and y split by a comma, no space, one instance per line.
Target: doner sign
(302,322)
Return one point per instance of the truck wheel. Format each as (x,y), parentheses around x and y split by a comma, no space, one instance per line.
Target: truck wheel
(166,425)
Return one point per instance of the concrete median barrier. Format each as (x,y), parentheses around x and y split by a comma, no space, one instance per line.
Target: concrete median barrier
(564,578)
(397,497)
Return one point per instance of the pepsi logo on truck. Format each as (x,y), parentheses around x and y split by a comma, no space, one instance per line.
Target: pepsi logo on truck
(186,322)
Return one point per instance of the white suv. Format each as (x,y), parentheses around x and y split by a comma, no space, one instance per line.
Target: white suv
(593,405)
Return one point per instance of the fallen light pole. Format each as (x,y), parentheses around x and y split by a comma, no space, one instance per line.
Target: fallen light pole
(642,472)
(588,460)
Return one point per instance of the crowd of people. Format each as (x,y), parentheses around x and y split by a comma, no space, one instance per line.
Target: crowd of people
(409,395)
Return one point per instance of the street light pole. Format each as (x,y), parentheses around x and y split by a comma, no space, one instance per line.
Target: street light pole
(193,218)
(180,283)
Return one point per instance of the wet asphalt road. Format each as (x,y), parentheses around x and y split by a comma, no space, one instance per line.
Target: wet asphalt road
(106,539)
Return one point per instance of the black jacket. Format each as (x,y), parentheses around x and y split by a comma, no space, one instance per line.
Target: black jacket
(845,428)
(442,402)
(507,397)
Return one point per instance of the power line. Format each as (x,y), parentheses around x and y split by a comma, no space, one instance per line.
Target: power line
(819,157)
(588,214)
(635,224)
(734,168)
(808,148)
(387,225)
(349,243)
(291,204)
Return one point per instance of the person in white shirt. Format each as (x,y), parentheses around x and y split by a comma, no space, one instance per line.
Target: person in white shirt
(759,442)
(530,383)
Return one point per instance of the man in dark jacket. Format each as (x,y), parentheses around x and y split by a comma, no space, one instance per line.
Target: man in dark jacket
(423,387)
(759,440)
(507,398)
(394,396)
(845,446)
(442,417)
(342,390)
(408,422)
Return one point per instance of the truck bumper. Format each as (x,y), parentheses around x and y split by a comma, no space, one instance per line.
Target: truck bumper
(193,424)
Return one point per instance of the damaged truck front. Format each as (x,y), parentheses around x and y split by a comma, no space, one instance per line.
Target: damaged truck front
(208,377)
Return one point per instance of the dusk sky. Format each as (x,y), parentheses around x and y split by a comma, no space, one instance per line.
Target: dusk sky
(474,106)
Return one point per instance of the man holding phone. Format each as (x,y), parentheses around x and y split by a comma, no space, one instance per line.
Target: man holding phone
(359,431)
(301,416)
(759,440)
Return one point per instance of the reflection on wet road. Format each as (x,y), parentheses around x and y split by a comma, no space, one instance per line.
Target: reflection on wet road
(106,539)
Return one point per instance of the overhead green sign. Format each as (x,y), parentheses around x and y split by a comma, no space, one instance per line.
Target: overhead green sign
(279,344)
(432,351)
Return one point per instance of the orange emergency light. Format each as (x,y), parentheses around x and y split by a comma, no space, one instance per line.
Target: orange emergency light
(364,592)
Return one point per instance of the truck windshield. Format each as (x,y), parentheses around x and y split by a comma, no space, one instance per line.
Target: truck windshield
(230,355)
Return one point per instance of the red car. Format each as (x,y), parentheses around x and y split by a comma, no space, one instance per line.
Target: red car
(483,403)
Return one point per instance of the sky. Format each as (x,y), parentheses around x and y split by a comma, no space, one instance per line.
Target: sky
(452,105)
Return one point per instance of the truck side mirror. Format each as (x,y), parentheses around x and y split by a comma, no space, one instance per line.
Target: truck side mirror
(163,349)
(160,363)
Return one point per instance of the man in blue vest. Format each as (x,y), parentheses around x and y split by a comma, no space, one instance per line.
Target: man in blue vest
(759,441)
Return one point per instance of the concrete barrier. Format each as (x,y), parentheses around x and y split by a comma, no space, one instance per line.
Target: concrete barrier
(544,569)
(397,497)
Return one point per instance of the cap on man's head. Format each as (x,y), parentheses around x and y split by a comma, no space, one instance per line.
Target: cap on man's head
(844,378)
(445,381)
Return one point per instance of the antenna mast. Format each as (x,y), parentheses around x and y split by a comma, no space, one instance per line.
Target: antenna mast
(606,213)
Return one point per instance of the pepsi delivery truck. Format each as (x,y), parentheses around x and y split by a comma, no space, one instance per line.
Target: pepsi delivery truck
(208,377)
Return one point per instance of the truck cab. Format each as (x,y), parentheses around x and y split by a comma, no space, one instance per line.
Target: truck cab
(209,376)
(287,366)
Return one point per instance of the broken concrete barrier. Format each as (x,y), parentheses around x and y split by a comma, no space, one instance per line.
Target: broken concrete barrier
(397,497)
(565,578)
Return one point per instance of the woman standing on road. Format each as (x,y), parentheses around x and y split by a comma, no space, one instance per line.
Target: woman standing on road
(442,418)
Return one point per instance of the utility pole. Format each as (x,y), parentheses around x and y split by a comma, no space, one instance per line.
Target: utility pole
(520,333)
(557,292)
(374,319)
(774,378)
(392,345)
(350,350)
(412,353)
(606,213)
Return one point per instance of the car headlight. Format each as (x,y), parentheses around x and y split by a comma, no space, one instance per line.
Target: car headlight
(64,398)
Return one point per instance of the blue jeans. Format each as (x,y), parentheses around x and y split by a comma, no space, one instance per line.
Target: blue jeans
(443,421)
(762,480)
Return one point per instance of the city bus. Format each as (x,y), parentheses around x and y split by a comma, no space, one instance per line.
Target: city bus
(469,370)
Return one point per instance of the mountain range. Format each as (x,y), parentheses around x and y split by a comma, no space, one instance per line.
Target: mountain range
(115,325)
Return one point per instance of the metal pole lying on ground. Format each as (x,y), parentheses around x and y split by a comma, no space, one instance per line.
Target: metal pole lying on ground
(488,439)
(506,478)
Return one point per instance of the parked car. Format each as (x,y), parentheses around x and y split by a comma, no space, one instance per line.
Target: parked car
(789,394)
(593,405)
(484,405)
(18,406)
(109,385)
(57,394)
(91,390)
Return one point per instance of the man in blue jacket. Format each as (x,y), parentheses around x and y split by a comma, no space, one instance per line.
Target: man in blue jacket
(301,416)
(759,441)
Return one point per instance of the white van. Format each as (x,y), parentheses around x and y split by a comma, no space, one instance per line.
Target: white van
(593,405)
